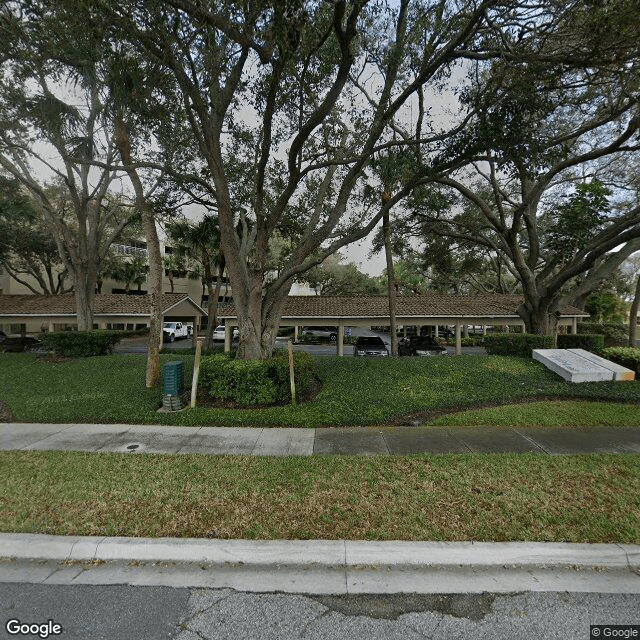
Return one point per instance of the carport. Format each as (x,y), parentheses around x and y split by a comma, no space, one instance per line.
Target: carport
(431,310)
(37,314)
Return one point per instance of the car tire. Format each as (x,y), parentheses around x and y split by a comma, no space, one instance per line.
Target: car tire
(333,337)
(171,337)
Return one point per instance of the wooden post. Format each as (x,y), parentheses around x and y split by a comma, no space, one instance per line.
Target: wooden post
(295,333)
(196,371)
(292,379)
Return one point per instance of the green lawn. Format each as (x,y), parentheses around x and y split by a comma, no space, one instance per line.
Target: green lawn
(110,389)
(594,498)
(559,413)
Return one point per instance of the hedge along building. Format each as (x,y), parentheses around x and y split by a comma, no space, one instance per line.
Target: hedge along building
(38,314)
(425,310)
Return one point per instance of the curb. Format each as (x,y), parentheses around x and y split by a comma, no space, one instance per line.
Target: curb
(322,566)
(330,553)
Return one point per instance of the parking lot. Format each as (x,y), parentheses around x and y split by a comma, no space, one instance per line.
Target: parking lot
(139,345)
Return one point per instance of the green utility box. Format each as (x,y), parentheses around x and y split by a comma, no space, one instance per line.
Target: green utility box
(173,385)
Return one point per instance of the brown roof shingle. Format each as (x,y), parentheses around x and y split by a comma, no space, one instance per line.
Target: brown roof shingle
(104,304)
(432,305)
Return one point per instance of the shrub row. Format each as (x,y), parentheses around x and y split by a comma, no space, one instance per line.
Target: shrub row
(81,344)
(255,382)
(626,356)
(589,341)
(612,331)
(516,344)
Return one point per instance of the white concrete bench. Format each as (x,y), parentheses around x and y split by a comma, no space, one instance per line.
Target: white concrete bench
(578,365)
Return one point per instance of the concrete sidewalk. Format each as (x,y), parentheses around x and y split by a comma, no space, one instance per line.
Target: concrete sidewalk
(322,566)
(123,438)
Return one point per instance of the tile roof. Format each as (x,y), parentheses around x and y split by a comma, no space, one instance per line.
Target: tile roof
(104,304)
(431,305)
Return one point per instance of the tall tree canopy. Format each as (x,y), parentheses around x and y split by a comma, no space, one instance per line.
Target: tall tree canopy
(286,103)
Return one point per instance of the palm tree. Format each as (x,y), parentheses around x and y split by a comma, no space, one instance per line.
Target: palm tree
(130,272)
(173,263)
(201,243)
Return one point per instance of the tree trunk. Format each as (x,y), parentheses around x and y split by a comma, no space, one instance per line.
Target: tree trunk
(84,302)
(391,283)
(258,329)
(539,319)
(155,257)
(633,316)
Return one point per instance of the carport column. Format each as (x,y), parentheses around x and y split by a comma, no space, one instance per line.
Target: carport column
(227,336)
(436,331)
(484,329)
(51,327)
(295,333)
(341,338)
(466,330)
(574,325)
(458,341)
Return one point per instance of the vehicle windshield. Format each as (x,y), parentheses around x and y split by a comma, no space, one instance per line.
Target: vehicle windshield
(170,325)
(424,341)
(370,341)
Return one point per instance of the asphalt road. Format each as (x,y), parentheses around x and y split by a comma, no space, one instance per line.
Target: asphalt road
(139,613)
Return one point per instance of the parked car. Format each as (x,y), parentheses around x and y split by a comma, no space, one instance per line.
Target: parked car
(173,330)
(218,333)
(445,332)
(321,332)
(17,344)
(370,346)
(420,346)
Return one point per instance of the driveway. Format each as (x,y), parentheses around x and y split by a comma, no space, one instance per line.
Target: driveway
(138,344)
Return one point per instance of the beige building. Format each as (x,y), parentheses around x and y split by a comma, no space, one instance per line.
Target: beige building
(37,314)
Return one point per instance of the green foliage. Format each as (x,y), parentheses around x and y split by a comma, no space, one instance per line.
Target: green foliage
(279,372)
(245,382)
(81,344)
(578,219)
(332,278)
(605,307)
(355,391)
(626,356)
(255,382)
(593,342)
(517,344)
(613,332)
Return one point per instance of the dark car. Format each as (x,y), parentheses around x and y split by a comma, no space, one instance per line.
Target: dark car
(420,346)
(445,332)
(17,344)
(321,332)
(370,346)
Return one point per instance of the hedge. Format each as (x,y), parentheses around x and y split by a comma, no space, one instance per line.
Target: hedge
(255,382)
(612,331)
(626,356)
(590,341)
(516,344)
(81,344)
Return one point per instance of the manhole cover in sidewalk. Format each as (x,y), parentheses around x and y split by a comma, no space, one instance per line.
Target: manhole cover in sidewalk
(132,447)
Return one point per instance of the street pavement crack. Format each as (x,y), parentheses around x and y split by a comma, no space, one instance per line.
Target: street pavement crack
(317,618)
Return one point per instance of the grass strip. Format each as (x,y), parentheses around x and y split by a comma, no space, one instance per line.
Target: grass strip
(356,391)
(498,497)
(560,413)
